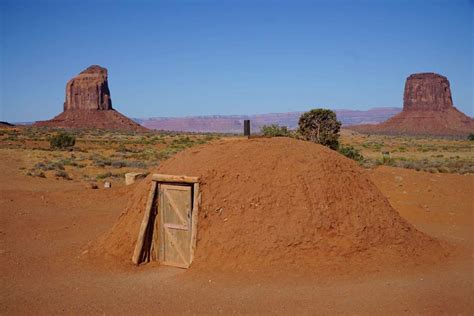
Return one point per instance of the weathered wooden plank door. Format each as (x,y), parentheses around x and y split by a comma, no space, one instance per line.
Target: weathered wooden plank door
(175,208)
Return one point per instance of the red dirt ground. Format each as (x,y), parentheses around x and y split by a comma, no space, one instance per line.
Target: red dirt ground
(46,226)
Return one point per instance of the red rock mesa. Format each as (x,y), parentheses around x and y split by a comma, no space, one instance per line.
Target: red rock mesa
(88,105)
(427,110)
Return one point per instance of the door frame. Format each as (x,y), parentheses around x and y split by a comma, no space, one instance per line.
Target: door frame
(152,206)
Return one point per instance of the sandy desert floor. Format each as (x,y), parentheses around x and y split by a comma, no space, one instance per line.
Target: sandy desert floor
(46,224)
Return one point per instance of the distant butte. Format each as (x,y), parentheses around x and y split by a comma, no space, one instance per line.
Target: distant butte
(88,105)
(427,110)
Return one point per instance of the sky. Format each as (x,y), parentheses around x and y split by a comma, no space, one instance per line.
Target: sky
(210,57)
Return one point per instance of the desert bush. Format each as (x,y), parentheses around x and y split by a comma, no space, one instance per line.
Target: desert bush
(118,164)
(471,137)
(443,169)
(275,130)
(36,173)
(351,152)
(137,164)
(104,175)
(62,140)
(100,161)
(121,148)
(62,174)
(182,142)
(49,165)
(386,160)
(68,162)
(320,126)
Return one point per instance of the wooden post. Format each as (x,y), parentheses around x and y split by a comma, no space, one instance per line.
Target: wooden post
(194,219)
(246,127)
(143,227)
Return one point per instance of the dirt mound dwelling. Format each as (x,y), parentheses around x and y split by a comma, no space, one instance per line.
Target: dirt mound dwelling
(88,105)
(273,202)
(427,110)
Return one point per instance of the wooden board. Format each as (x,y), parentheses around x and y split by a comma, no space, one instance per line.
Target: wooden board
(144,225)
(174,179)
(194,218)
(175,211)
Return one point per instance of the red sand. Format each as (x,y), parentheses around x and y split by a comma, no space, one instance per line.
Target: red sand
(46,224)
(279,201)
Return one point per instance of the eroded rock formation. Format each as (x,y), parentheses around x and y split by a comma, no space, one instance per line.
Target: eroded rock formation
(88,105)
(427,91)
(427,110)
(88,91)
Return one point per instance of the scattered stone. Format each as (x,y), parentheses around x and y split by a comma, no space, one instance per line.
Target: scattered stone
(93,186)
(133,177)
(107,185)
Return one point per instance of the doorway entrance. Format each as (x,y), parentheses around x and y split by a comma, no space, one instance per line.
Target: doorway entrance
(169,226)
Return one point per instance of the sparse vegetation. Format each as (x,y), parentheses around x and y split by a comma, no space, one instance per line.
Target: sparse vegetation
(275,130)
(419,153)
(97,153)
(62,140)
(471,137)
(320,126)
(351,152)
(62,174)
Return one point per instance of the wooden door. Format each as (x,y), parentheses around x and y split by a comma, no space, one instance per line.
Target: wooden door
(175,208)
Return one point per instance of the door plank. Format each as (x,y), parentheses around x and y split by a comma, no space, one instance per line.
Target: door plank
(176,247)
(143,227)
(176,226)
(194,220)
(175,208)
(172,178)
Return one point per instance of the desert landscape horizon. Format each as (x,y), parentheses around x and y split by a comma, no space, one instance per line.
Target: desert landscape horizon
(139,192)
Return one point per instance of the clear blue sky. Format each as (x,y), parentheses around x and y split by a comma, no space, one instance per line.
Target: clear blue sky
(178,58)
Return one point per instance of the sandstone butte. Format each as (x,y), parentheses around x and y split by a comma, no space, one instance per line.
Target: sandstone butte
(88,105)
(427,110)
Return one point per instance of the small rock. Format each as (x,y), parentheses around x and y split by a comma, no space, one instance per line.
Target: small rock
(93,186)
(107,185)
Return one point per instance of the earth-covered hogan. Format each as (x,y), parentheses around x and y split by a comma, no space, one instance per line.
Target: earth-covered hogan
(277,202)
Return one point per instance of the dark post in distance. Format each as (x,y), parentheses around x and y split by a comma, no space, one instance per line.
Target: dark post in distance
(246,127)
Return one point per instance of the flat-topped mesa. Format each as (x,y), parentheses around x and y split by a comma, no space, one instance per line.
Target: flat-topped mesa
(427,92)
(88,91)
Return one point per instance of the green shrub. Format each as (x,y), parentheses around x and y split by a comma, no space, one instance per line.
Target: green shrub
(386,160)
(49,165)
(275,130)
(104,175)
(320,126)
(62,140)
(471,137)
(62,174)
(351,152)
